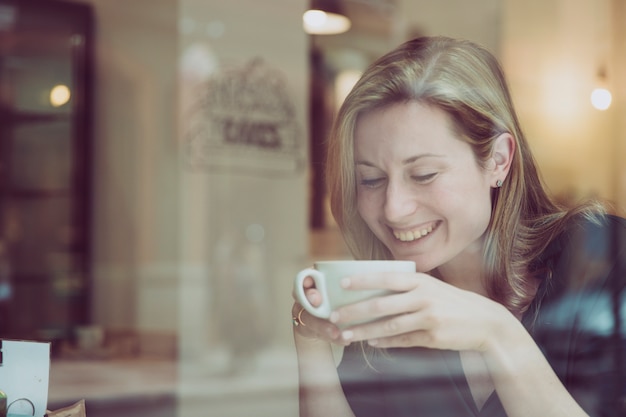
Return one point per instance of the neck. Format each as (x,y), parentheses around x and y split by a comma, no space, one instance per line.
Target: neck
(466,271)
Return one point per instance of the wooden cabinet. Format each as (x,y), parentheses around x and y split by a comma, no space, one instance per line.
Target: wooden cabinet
(45,168)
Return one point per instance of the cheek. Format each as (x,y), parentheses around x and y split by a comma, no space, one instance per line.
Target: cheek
(363,207)
(477,208)
(468,199)
(367,207)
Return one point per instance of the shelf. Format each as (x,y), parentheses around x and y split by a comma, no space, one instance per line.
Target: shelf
(33,193)
(9,117)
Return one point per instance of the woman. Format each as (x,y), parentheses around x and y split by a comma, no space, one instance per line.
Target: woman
(513,310)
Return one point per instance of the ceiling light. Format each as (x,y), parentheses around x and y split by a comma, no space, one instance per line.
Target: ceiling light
(325,17)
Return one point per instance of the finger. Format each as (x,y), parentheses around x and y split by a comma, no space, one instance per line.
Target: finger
(378,307)
(308,282)
(421,338)
(314,297)
(394,328)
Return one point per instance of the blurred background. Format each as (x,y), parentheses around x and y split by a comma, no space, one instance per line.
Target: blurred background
(161,173)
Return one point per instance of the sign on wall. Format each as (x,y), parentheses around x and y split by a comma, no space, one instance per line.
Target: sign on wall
(244,121)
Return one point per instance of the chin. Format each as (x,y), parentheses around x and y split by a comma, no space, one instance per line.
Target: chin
(423,263)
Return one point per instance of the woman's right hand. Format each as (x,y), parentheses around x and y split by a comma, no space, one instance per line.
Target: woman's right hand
(311,327)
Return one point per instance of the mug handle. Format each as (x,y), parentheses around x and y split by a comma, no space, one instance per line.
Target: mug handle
(323,310)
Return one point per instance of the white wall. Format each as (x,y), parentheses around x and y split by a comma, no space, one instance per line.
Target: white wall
(136,208)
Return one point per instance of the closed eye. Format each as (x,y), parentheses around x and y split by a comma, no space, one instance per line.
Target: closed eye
(424,178)
(371,182)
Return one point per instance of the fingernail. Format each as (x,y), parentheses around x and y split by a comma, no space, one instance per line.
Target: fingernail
(372,342)
(334,317)
(347,335)
(345,282)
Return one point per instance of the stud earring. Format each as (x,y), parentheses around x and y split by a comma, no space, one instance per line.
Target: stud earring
(499,183)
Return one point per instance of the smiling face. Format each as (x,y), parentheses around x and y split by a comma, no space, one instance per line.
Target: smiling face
(419,187)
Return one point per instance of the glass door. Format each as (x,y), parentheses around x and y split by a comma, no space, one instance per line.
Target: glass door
(44,168)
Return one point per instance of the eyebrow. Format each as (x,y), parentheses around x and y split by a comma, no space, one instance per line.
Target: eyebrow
(407,161)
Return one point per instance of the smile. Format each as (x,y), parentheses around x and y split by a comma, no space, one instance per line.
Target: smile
(411,235)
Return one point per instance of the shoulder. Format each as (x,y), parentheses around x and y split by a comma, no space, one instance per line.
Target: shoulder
(597,226)
(584,237)
(590,251)
(602,237)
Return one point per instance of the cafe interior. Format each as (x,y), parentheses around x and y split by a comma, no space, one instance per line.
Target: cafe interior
(156,252)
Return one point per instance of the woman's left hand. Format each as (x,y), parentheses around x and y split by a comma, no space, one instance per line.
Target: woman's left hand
(425,312)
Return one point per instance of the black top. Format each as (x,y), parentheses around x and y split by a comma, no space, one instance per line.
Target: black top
(576,319)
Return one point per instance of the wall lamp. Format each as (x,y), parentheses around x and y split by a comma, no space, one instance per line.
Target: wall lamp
(601,95)
(325,17)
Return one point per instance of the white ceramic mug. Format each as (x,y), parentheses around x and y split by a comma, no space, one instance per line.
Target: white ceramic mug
(328,275)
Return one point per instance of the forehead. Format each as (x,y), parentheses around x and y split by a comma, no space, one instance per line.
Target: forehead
(404,127)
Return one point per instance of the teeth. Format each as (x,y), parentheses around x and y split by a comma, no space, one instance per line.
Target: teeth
(413,235)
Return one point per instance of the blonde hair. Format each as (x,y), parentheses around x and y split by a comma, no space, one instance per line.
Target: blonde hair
(465,81)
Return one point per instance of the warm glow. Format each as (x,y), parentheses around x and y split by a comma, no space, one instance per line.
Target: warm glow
(59,95)
(343,84)
(317,22)
(601,98)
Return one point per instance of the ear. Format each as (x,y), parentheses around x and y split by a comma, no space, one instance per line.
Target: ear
(501,159)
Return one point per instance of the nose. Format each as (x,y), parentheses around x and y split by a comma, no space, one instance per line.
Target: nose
(400,201)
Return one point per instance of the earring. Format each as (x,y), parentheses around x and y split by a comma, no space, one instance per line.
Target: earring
(499,183)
